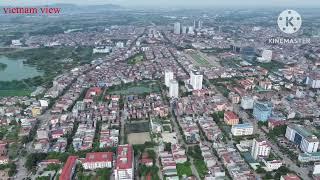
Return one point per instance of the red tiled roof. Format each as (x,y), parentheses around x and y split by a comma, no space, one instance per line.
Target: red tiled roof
(98,157)
(67,168)
(124,157)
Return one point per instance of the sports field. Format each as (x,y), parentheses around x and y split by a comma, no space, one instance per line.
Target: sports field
(200,60)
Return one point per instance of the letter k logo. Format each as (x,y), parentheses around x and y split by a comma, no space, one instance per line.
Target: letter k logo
(289,21)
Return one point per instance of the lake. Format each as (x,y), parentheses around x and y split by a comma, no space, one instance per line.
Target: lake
(16,70)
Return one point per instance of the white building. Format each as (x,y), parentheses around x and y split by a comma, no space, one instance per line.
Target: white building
(16,42)
(184,30)
(266,56)
(124,169)
(242,129)
(191,30)
(101,50)
(247,102)
(176,28)
(168,76)
(300,136)
(98,160)
(260,148)
(313,80)
(196,79)
(316,168)
(272,165)
(174,89)
(120,44)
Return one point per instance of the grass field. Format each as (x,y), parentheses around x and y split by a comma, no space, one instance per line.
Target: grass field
(21,92)
(136,59)
(200,60)
(184,169)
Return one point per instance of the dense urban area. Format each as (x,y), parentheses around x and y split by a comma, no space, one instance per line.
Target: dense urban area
(154,95)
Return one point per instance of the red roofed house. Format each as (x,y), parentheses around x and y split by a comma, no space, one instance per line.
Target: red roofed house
(124,169)
(68,168)
(231,118)
(98,160)
(290,177)
(94,91)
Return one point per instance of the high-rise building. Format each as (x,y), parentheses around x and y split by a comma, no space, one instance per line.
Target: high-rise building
(247,102)
(191,30)
(184,30)
(262,110)
(176,28)
(168,76)
(260,148)
(200,24)
(196,79)
(124,168)
(174,89)
(303,138)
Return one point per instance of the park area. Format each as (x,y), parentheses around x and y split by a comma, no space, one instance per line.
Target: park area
(200,60)
(134,88)
(136,59)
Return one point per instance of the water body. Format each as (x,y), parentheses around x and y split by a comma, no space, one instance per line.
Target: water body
(16,70)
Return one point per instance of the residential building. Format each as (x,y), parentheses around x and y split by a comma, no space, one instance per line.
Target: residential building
(168,76)
(289,177)
(231,118)
(69,168)
(174,89)
(177,28)
(309,157)
(124,168)
(303,138)
(260,148)
(262,110)
(242,129)
(247,102)
(196,79)
(97,160)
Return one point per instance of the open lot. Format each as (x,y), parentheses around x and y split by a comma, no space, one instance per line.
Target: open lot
(138,138)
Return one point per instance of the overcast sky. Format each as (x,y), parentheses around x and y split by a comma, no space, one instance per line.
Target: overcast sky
(173,3)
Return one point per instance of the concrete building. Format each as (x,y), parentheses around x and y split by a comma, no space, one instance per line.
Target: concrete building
(316,169)
(309,157)
(196,79)
(168,76)
(191,30)
(124,168)
(184,30)
(174,89)
(242,129)
(247,102)
(262,110)
(313,80)
(230,118)
(177,28)
(260,148)
(97,160)
(266,56)
(306,141)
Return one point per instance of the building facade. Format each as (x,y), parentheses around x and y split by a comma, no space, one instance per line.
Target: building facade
(124,168)
(174,89)
(260,148)
(306,141)
(262,110)
(242,129)
(196,79)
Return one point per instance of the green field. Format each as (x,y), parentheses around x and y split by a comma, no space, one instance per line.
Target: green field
(21,92)
(200,60)
(134,88)
(184,169)
(136,59)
